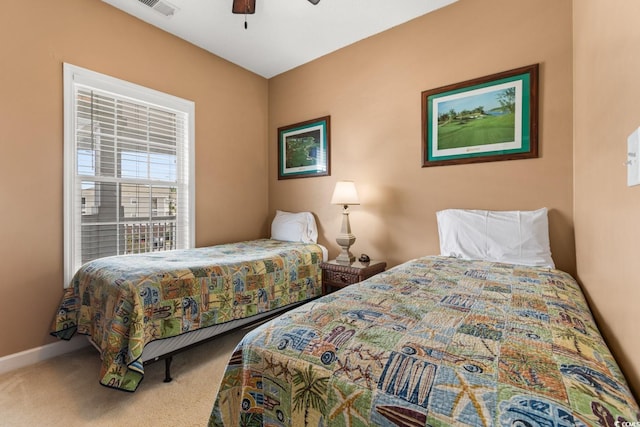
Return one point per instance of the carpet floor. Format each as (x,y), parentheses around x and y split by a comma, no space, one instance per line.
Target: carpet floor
(64,391)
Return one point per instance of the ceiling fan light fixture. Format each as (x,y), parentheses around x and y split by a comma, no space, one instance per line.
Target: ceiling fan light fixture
(314,2)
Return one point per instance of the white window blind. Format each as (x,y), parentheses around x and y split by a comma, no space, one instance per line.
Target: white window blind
(128,169)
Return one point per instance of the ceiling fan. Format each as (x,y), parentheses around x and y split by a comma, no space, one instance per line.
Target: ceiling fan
(248,7)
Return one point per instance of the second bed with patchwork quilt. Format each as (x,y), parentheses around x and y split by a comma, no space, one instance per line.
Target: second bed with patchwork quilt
(436,341)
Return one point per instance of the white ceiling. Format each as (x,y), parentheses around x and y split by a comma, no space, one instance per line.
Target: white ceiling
(282,34)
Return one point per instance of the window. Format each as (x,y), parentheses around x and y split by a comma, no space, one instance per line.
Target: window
(129,169)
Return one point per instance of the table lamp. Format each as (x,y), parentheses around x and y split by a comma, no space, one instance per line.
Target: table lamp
(345,194)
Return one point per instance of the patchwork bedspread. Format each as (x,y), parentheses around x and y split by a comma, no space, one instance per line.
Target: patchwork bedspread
(124,302)
(433,342)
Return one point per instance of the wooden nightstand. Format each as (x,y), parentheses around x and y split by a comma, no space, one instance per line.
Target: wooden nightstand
(336,275)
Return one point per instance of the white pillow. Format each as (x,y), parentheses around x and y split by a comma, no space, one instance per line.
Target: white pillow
(516,237)
(294,227)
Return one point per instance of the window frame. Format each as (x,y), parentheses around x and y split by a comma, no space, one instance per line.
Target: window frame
(72,212)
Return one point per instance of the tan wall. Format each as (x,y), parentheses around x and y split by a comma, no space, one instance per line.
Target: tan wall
(36,39)
(372,92)
(607,212)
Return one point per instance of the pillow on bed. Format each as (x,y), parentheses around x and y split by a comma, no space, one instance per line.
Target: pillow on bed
(294,227)
(516,237)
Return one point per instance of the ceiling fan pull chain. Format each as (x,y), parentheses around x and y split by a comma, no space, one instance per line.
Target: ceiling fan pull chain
(246,10)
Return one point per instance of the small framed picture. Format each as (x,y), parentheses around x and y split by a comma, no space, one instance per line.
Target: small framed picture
(303,149)
(482,120)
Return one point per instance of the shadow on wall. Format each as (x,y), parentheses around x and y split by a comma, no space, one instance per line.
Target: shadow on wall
(625,363)
(562,240)
(383,204)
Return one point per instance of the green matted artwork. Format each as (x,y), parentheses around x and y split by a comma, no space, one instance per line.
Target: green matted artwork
(482,120)
(303,149)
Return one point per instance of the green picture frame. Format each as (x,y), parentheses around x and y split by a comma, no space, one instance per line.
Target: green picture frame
(304,149)
(486,119)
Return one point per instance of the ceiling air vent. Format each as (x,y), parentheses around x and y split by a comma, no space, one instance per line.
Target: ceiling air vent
(161,6)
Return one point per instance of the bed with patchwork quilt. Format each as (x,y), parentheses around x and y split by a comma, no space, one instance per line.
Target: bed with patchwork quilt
(128,303)
(436,341)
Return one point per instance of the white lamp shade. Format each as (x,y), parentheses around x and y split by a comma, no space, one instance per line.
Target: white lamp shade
(345,194)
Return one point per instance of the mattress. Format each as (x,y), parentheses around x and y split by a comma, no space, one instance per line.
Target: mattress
(155,350)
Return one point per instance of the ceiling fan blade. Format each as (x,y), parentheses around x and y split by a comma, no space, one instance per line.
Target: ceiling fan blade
(245,7)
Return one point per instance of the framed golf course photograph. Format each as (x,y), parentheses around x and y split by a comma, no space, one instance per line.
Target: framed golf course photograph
(303,149)
(482,120)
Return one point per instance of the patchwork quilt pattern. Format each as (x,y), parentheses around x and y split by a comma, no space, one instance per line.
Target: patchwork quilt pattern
(433,342)
(124,302)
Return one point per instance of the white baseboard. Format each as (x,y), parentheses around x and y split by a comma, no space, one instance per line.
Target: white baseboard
(38,354)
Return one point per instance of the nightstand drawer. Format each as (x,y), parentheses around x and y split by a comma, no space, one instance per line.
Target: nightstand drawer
(340,278)
(337,275)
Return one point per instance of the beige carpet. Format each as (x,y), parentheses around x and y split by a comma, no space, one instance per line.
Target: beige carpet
(64,391)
